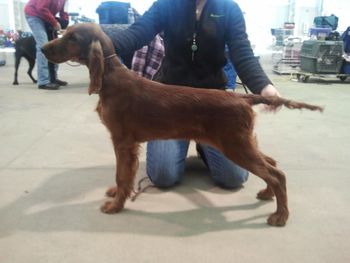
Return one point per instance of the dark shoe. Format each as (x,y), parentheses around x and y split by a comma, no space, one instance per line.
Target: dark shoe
(60,82)
(49,86)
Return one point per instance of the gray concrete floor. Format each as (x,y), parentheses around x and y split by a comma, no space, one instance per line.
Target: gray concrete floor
(57,161)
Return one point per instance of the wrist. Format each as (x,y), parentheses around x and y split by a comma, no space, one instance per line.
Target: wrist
(57,26)
(269,90)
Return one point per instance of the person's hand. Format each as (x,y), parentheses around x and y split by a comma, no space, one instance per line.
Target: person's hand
(269,91)
(57,27)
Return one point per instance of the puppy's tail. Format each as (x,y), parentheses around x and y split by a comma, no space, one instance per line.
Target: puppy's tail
(276,102)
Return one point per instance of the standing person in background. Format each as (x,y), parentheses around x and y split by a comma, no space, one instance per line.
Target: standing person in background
(195,35)
(40,15)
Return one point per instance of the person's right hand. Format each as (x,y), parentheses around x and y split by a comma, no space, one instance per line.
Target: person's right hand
(269,91)
(57,27)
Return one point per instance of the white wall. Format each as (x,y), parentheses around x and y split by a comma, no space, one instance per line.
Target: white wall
(260,15)
(12,15)
(89,8)
(305,12)
(340,8)
(4,15)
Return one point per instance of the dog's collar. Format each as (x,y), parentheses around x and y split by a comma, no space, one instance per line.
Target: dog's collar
(105,58)
(110,56)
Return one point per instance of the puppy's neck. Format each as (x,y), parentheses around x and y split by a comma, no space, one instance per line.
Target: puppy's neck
(112,61)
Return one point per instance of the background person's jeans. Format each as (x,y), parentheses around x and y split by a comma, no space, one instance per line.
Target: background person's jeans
(166,164)
(39,32)
(231,75)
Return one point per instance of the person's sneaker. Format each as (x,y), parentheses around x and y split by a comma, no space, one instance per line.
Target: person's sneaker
(60,82)
(49,86)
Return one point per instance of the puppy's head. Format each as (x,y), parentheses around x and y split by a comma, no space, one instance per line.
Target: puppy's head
(74,44)
(84,43)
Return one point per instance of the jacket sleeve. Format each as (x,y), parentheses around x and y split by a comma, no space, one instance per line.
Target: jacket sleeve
(140,33)
(45,13)
(241,54)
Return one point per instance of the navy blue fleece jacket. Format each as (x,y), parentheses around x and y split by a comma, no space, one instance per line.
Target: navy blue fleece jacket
(221,23)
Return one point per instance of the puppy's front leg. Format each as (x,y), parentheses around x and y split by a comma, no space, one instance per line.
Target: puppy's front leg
(127,164)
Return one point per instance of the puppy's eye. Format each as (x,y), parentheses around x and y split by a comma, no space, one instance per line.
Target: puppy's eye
(73,38)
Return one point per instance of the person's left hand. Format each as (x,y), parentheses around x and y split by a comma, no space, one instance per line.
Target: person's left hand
(268,91)
(57,27)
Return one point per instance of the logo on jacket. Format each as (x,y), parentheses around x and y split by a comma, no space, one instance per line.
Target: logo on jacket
(216,15)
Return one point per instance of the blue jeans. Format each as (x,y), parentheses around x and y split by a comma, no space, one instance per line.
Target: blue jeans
(37,26)
(231,75)
(166,164)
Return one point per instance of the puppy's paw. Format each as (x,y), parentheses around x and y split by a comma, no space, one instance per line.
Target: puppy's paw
(112,191)
(110,207)
(278,219)
(265,194)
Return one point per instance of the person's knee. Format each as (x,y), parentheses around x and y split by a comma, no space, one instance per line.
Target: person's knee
(164,177)
(223,171)
(166,161)
(231,180)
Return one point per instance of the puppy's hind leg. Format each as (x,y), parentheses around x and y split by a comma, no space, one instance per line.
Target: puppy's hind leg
(281,215)
(127,165)
(245,154)
(267,193)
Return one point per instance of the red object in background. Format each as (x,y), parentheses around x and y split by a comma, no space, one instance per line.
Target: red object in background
(289,25)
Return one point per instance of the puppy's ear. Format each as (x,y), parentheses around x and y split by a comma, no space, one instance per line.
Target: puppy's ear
(96,66)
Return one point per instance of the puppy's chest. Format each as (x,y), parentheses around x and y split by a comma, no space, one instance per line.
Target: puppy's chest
(111,112)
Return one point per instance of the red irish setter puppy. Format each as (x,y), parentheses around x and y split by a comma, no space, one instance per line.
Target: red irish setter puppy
(137,110)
